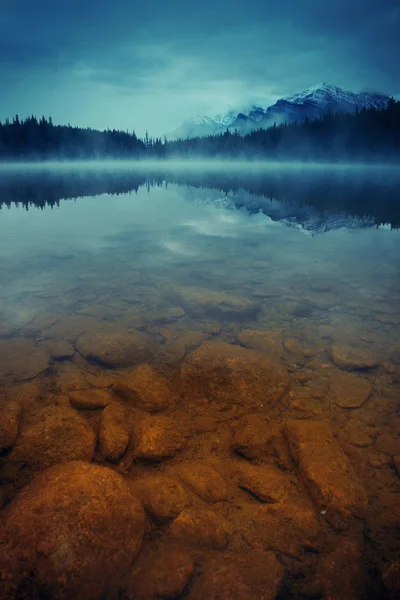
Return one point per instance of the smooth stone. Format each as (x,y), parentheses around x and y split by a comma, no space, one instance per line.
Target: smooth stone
(350,358)
(349,390)
(74,532)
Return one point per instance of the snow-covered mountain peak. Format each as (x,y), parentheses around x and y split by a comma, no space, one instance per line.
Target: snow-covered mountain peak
(312,103)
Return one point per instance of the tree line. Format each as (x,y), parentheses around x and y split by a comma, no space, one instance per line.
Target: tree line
(367,134)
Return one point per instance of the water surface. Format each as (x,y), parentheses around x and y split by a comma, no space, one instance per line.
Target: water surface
(307,259)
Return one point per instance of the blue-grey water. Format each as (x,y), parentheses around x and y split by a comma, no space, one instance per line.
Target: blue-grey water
(113,251)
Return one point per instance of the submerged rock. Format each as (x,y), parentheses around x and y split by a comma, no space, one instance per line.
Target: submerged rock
(10,414)
(266,342)
(145,388)
(269,484)
(204,303)
(173,352)
(326,471)
(254,575)
(340,575)
(162,497)
(114,432)
(222,377)
(58,349)
(90,399)
(288,527)
(164,573)
(349,390)
(70,328)
(204,481)
(255,437)
(158,438)
(116,348)
(199,526)
(21,360)
(58,435)
(351,358)
(72,533)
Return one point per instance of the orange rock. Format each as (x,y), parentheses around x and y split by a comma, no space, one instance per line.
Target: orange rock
(200,527)
(145,388)
(72,533)
(349,390)
(162,497)
(352,358)
(90,399)
(257,438)
(340,574)
(267,483)
(58,435)
(326,471)
(231,378)
(254,575)
(288,527)
(173,352)
(164,573)
(116,347)
(159,437)
(266,342)
(204,481)
(114,433)
(10,414)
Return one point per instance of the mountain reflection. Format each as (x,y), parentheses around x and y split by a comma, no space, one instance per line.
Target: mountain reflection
(367,196)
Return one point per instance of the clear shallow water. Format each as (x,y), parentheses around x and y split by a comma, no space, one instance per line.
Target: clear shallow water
(228,263)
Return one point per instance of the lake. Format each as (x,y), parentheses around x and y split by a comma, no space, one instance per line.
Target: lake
(226,337)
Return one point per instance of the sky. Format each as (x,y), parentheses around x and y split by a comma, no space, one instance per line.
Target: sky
(152,64)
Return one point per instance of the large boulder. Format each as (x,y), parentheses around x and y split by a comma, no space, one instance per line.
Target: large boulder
(72,533)
(224,378)
(57,435)
(115,348)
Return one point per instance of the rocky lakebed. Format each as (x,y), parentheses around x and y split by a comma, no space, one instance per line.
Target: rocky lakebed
(210,450)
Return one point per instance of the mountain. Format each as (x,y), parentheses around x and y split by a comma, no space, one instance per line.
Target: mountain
(312,103)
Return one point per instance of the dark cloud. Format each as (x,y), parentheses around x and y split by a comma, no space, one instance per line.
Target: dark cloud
(151,64)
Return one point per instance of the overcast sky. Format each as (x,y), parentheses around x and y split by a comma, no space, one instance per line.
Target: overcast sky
(152,64)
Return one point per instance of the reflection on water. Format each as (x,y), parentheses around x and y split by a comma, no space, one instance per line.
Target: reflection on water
(269,379)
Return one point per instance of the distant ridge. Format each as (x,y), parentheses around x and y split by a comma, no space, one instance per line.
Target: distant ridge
(312,103)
